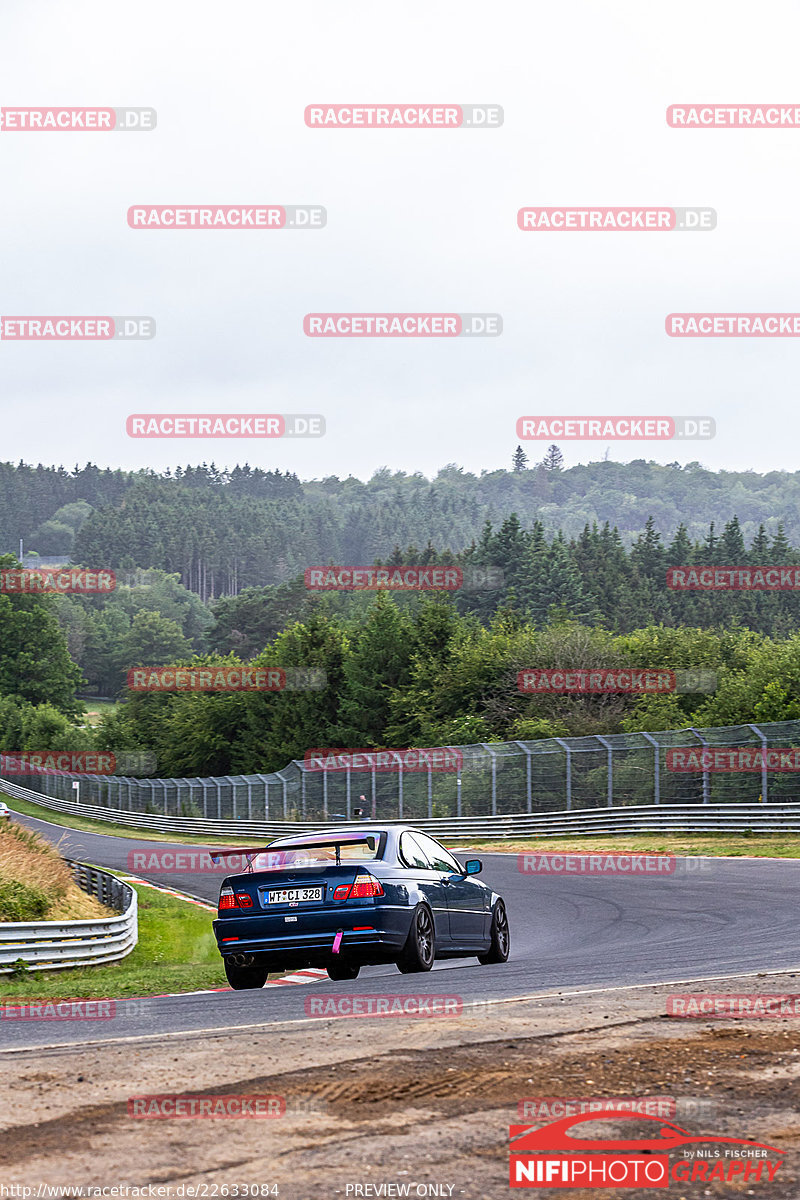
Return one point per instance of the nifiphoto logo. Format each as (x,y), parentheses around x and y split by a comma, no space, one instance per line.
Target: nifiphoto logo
(403,116)
(617,220)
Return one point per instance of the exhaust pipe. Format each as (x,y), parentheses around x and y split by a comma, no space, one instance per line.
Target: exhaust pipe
(242,960)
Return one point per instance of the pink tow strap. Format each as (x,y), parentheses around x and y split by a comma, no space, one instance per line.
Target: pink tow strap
(337,941)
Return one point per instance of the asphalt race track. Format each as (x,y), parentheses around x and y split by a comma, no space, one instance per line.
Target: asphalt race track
(710,918)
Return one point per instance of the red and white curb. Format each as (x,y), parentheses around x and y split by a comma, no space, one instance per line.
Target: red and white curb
(310,975)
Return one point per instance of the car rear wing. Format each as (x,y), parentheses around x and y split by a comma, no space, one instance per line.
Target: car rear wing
(246,853)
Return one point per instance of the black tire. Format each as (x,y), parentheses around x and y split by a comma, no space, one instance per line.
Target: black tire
(343,970)
(501,938)
(420,948)
(241,978)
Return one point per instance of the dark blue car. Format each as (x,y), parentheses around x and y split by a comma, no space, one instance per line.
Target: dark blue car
(344,898)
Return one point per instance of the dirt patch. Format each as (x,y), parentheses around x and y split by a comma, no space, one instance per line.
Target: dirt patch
(401,1102)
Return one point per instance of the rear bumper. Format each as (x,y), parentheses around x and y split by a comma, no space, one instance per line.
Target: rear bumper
(370,934)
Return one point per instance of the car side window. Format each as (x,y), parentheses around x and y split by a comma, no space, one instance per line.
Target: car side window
(437,856)
(411,852)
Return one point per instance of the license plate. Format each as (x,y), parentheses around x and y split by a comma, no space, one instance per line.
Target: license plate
(295,895)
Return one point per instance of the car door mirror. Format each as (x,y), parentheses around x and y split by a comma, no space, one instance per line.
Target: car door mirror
(473,866)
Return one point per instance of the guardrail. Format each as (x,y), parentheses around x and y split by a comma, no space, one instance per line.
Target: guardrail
(652,818)
(49,945)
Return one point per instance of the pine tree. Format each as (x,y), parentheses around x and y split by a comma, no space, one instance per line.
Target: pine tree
(519,459)
(553,459)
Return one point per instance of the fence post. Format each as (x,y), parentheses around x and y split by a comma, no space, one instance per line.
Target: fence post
(755,729)
(704,743)
(494,777)
(657,771)
(610,770)
(324,795)
(568,750)
(400,792)
(285,795)
(430,793)
(249,799)
(528,775)
(347,793)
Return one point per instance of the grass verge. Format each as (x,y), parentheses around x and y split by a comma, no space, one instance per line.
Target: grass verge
(176,952)
(35,882)
(722,845)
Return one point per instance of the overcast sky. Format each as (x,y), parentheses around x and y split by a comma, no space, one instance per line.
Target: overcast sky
(418,221)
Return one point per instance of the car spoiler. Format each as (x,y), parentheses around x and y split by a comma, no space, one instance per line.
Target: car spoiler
(248,853)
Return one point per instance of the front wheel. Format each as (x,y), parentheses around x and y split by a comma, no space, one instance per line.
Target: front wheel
(343,970)
(501,939)
(241,978)
(420,949)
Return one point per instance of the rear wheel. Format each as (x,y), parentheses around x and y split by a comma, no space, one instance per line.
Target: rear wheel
(420,950)
(501,938)
(241,978)
(343,970)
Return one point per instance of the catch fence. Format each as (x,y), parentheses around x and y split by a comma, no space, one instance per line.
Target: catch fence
(486,780)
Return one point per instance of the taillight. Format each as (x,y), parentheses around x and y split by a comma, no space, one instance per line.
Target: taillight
(362,887)
(227,899)
(243,900)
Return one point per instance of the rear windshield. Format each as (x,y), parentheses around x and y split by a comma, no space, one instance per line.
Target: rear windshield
(366,850)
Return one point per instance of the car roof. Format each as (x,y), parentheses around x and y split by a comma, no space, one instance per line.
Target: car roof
(346,834)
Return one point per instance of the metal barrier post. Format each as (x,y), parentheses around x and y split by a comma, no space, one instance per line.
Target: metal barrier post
(568,751)
(610,770)
(528,775)
(704,743)
(657,769)
(755,729)
(494,776)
